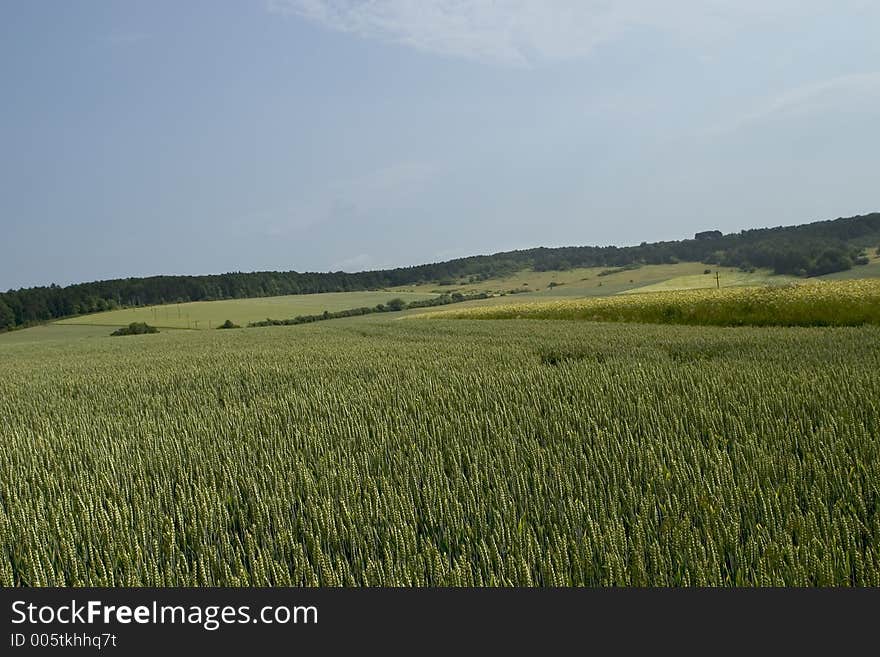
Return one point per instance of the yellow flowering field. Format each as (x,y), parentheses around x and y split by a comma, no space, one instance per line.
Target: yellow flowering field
(832,303)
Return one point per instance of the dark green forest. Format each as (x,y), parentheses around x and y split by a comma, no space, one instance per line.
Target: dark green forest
(806,250)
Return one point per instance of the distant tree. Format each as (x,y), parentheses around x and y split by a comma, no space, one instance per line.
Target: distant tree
(7,317)
(396,304)
(135,328)
(830,260)
(228,324)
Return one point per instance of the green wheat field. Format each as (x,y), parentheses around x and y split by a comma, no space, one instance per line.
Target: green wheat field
(541,452)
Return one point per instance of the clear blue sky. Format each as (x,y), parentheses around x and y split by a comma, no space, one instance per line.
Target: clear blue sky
(159,137)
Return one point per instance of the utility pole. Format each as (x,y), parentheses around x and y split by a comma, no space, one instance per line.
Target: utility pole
(717,280)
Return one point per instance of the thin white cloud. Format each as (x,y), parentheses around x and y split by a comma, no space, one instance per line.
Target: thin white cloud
(521,32)
(383,189)
(853,91)
(385,184)
(820,95)
(360,262)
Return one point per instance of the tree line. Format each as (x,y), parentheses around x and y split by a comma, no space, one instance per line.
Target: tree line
(806,250)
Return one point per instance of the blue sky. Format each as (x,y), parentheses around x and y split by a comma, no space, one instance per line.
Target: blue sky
(144,138)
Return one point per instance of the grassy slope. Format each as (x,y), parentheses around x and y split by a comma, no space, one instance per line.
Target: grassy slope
(578,283)
(726,278)
(209,314)
(52,333)
(582,282)
(573,282)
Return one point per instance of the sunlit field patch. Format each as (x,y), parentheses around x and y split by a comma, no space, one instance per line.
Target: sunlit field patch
(833,303)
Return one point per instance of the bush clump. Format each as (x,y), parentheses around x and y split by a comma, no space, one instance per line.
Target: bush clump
(394,305)
(135,328)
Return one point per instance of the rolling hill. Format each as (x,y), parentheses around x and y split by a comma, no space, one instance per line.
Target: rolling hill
(807,250)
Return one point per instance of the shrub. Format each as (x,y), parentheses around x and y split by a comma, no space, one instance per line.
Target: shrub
(228,324)
(829,261)
(135,328)
(617,270)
